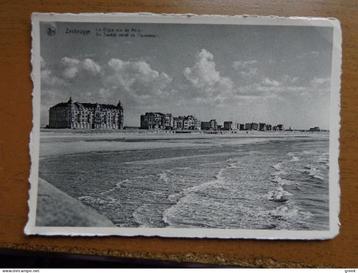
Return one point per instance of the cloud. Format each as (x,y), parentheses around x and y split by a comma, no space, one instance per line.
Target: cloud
(72,67)
(66,61)
(320,81)
(203,73)
(48,78)
(137,78)
(246,69)
(237,65)
(310,54)
(91,66)
(249,73)
(270,82)
(272,88)
(206,82)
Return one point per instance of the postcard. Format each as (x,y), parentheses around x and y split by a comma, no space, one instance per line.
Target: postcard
(200,126)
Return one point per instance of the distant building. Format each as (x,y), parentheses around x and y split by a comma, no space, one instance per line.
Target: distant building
(209,125)
(262,126)
(178,122)
(268,127)
(156,120)
(190,123)
(77,115)
(279,127)
(228,125)
(241,127)
(168,121)
(186,123)
(205,125)
(213,124)
(315,129)
(248,126)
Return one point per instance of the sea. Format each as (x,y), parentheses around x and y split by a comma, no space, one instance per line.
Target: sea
(213,183)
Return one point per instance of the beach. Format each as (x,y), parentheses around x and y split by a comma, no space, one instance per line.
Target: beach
(254,180)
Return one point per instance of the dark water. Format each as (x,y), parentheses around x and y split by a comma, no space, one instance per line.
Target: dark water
(273,185)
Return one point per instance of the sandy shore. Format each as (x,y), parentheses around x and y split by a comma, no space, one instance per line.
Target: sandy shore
(56,208)
(59,142)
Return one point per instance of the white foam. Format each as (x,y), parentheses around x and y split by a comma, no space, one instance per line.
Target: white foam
(294,159)
(92,200)
(281,181)
(284,211)
(277,166)
(278,195)
(164,176)
(175,197)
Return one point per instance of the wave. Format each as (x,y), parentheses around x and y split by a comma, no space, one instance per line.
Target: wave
(218,179)
(164,177)
(277,166)
(147,215)
(286,213)
(175,197)
(92,201)
(294,157)
(276,176)
(313,172)
(188,196)
(278,195)
(281,181)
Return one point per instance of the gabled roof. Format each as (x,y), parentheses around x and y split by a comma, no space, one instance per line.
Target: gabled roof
(61,104)
(87,105)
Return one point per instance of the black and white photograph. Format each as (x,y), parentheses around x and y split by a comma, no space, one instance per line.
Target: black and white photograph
(185,126)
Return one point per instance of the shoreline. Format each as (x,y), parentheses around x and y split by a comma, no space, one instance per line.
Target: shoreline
(54,143)
(180,134)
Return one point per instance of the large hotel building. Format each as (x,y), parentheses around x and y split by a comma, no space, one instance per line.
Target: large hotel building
(77,115)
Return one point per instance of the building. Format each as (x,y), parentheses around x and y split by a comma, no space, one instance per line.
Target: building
(315,129)
(209,125)
(186,123)
(248,126)
(279,127)
(228,125)
(168,121)
(77,115)
(251,126)
(262,126)
(205,125)
(213,124)
(254,126)
(178,122)
(156,120)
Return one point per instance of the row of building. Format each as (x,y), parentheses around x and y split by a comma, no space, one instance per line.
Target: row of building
(252,126)
(78,115)
(157,120)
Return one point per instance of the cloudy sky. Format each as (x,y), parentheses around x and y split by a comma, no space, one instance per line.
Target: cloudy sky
(274,74)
